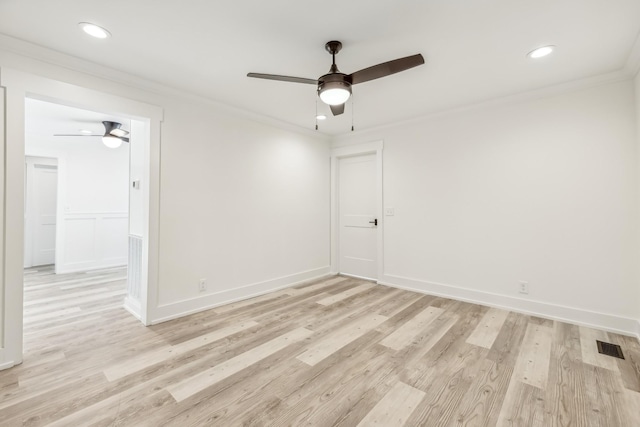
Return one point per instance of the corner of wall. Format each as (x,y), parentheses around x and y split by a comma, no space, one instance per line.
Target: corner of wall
(578,316)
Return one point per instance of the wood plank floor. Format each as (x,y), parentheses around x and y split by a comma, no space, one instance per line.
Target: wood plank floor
(337,352)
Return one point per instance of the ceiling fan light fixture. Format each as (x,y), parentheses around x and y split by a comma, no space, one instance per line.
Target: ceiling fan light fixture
(111,141)
(541,52)
(335,96)
(94,30)
(334,93)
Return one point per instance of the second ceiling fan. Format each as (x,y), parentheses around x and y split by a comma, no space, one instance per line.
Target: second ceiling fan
(113,136)
(334,88)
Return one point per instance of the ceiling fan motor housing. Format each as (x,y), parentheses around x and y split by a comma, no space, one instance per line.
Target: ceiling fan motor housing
(110,126)
(334,81)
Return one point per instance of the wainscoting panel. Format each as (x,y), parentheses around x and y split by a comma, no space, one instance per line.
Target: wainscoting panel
(134,277)
(79,241)
(113,238)
(135,267)
(92,240)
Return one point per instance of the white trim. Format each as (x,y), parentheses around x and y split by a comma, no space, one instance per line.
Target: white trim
(17,86)
(76,267)
(4,363)
(592,319)
(545,92)
(133,307)
(374,147)
(7,365)
(45,55)
(355,150)
(228,296)
(358,277)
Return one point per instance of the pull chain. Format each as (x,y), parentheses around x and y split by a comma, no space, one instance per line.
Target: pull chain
(352,113)
(316,113)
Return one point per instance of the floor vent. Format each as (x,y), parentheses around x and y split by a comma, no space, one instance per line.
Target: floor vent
(610,349)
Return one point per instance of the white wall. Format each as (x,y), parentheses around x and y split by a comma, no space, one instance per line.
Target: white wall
(637,97)
(244,205)
(93,196)
(244,201)
(544,191)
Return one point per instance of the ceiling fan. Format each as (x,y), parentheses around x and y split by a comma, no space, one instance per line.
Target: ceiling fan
(113,134)
(334,88)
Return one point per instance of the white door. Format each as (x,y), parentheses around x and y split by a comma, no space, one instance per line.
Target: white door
(40,213)
(357,216)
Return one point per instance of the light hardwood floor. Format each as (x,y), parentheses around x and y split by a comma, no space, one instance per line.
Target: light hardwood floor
(337,352)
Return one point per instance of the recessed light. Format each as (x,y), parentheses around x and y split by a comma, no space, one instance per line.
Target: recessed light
(321,117)
(85,131)
(540,52)
(94,30)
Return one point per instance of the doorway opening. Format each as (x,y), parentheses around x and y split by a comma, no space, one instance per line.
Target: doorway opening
(16,88)
(77,216)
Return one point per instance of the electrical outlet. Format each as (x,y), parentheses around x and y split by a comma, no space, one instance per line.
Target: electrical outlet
(523,287)
(389,211)
(202,285)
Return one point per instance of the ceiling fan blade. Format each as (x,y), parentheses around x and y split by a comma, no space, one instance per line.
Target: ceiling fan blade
(124,139)
(337,109)
(119,132)
(283,78)
(386,69)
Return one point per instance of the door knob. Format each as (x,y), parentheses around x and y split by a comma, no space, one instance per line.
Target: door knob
(374,222)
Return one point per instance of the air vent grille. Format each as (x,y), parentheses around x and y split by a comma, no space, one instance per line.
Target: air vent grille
(609,349)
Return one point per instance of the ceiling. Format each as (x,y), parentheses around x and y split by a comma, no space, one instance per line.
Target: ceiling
(45,119)
(474,50)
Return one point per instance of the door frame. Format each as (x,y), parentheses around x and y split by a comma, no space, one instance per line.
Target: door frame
(375,147)
(29,245)
(15,87)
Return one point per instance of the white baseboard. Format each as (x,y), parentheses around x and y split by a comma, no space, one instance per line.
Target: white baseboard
(4,363)
(194,305)
(90,266)
(7,365)
(578,316)
(133,307)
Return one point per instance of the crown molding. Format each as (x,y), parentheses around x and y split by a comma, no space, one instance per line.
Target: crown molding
(49,56)
(45,55)
(545,92)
